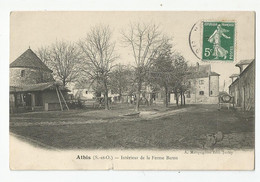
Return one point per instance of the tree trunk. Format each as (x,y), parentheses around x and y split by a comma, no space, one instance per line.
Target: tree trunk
(181,99)
(184,102)
(120,95)
(138,96)
(106,96)
(106,100)
(177,99)
(120,98)
(137,101)
(64,82)
(166,97)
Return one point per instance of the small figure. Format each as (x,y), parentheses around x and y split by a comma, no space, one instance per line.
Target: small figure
(215,38)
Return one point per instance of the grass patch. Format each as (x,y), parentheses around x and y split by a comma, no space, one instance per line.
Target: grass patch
(179,131)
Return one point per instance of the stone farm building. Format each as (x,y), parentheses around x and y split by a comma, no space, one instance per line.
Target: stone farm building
(203,86)
(32,86)
(242,87)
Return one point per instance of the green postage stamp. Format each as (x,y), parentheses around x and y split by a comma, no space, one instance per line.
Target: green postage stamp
(218,41)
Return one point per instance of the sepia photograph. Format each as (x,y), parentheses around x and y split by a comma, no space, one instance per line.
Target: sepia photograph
(132,90)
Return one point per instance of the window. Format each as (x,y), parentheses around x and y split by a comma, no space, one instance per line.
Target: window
(22,73)
(201,92)
(201,82)
(86,92)
(211,92)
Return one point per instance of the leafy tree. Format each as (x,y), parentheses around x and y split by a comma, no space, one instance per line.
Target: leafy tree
(121,79)
(179,77)
(162,71)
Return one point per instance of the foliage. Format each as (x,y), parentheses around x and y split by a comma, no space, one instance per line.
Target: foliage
(121,80)
(179,85)
(162,71)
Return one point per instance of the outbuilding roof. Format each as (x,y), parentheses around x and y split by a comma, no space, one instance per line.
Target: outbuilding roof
(244,71)
(234,75)
(214,74)
(37,87)
(29,60)
(244,62)
(201,71)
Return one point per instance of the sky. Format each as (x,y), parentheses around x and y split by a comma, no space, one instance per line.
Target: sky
(36,29)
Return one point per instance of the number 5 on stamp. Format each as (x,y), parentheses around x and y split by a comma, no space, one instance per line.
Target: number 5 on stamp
(218,41)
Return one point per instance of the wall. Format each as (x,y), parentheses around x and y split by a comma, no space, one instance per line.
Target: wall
(214,86)
(196,87)
(31,76)
(234,91)
(11,103)
(243,90)
(51,98)
(202,87)
(81,94)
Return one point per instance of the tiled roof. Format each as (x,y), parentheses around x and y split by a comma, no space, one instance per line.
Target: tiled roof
(234,75)
(244,62)
(205,68)
(214,74)
(252,63)
(29,60)
(36,87)
(223,93)
(201,72)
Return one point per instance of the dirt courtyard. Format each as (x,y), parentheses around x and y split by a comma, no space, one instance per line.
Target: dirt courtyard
(155,128)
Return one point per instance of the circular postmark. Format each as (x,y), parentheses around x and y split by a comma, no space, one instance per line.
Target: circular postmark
(195,39)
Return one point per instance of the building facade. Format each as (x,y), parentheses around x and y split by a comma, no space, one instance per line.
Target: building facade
(32,86)
(203,86)
(242,88)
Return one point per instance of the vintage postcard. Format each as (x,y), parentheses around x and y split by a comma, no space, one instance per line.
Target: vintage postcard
(132,90)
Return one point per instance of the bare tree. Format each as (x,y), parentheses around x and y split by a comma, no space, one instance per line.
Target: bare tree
(144,41)
(63,58)
(98,52)
(44,54)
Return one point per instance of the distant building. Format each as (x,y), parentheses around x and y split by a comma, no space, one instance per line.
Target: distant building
(203,86)
(32,86)
(83,92)
(86,94)
(242,87)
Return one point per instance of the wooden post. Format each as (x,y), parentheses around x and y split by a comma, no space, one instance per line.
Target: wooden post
(63,99)
(32,101)
(59,98)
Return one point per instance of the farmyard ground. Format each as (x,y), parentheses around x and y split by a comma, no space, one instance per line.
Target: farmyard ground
(155,128)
